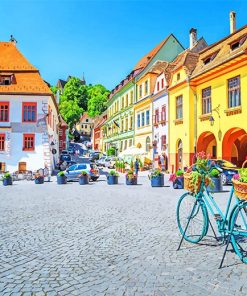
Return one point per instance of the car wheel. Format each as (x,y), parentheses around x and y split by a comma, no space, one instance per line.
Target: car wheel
(223,178)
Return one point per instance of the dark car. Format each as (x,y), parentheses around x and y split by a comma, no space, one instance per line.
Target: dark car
(94,156)
(65,161)
(228,170)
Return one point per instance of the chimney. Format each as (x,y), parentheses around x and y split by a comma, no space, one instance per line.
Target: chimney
(193,37)
(232,22)
(13,40)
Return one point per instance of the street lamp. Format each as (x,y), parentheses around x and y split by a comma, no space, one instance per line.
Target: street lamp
(211,119)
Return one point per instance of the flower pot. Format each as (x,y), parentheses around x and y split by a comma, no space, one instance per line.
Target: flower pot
(157,181)
(132,181)
(61,180)
(178,183)
(112,180)
(39,180)
(217,185)
(83,180)
(7,181)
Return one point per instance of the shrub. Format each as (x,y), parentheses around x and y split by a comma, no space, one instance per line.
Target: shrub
(60,174)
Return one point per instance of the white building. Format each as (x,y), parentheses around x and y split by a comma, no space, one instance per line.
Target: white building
(160,110)
(28,115)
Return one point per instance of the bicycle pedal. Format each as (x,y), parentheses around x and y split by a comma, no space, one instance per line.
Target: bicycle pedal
(217,217)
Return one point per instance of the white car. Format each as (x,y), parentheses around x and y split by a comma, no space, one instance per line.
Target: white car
(110,162)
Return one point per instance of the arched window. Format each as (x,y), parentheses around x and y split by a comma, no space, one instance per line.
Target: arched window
(148,142)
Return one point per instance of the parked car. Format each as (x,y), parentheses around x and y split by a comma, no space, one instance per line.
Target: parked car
(101,161)
(65,152)
(110,162)
(94,155)
(72,173)
(228,170)
(71,151)
(65,161)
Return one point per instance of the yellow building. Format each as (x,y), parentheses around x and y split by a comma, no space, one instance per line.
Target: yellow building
(208,102)
(220,79)
(143,112)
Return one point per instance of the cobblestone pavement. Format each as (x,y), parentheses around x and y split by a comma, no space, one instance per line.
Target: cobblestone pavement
(105,240)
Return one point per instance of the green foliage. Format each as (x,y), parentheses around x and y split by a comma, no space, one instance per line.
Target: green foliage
(84,173)
(154,174)
(61,174)
(6,175)
(243,175)
(70,111)
(113,173)
(179,173)
(140,163)
(111,151)
(97,100)
(214,173)
(132,164)
(54,90)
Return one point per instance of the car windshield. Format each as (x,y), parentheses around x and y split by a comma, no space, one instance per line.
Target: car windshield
(71,168)
(65,157)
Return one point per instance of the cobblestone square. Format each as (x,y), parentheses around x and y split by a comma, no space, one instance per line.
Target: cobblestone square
(106,240)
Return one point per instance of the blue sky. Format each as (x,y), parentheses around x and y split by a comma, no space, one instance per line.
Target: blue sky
(105,39)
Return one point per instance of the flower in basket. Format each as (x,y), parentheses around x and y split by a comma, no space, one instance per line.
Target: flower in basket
(179,174)
(83,174)
(130,175)
(172,178)
(113,173)
(240,184)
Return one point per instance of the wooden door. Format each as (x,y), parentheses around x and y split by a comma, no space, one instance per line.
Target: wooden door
(22,167)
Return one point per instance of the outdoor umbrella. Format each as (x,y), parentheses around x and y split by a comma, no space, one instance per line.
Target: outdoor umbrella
(132,151)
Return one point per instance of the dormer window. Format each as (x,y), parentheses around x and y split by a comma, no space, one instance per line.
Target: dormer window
(6,79)
(210,58)
(237,43)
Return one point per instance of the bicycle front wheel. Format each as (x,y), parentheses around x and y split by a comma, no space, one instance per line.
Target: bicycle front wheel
(238,229)
(192,218)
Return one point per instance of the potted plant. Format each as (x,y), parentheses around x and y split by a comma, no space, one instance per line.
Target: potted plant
(61,178)
(177,179)
(141,165)
(239,182)
(198,172)
(131,178)
(112,178)
(83,178)
(38,179)
(157,178)
(216,180)
(117,165)
(7,179)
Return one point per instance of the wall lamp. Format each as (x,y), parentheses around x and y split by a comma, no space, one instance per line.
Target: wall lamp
(211,119)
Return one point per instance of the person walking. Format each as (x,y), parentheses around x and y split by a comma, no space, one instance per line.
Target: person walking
(162,162)
(136,166)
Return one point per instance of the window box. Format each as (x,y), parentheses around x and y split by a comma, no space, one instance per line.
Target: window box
(233,111)
(205,117)
(178,121)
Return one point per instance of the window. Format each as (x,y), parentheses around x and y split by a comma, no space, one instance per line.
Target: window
(28,142)
(85,126)
(143,118)
(138,120)
(158,86)
(140,91)
(178,76)
(163,113)
(82,167)
(122,125)
(147,117)
(4,111)
(86,120)
(210,58)
(148,142)
(29,112)
(179,107)
(131,97)
(234,98)
(130,142)
(156,116)
(146,87)
(125,144)
(122,102)
(206,100)
(82,126)
(126,101)
(131,122)
(2,142)
(162,83)
(163,141)
(126,123)
(237,43)
(214,151)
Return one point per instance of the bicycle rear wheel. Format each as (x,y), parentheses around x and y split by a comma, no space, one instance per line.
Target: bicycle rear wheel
(238,228)
(192,214)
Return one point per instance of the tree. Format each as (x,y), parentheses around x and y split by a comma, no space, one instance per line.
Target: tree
(70,111)
(97,100)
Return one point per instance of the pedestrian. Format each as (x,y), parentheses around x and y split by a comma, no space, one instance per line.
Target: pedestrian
(162,162)
(136,166)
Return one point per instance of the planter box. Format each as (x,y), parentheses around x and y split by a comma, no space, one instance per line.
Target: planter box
(112,180)
(178,183)
(61,180)
(83,180)
(217,185)
(39,180)
(7,181)
(132,181)
(157,181)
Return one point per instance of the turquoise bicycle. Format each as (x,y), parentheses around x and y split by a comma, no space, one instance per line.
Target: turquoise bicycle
(193,220)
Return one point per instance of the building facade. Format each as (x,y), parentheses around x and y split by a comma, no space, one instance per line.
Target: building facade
(28,115)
